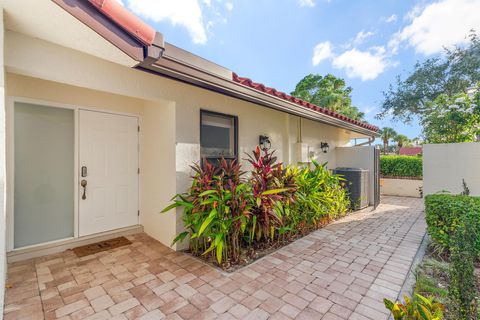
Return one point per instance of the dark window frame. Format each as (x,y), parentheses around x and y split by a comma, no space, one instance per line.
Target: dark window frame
(235,133)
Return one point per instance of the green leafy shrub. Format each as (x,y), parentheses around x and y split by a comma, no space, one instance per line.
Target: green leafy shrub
(216,210)
(401,166)
(319,197)
(417,308)
(226,215)
(446,212)
(270,185)
(461,289)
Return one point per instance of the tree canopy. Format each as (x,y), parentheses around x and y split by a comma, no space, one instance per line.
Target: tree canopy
(329,92)
(453,118)
(454,73)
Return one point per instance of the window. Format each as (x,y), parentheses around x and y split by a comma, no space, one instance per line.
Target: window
(218,135)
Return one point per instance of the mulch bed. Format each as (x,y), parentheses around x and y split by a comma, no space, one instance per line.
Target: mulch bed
(258,250)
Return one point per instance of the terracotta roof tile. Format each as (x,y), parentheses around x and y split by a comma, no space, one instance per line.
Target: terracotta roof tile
(261,87)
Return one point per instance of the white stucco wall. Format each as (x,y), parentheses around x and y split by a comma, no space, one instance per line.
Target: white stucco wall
(3,218)
(359,157)
(445,165)
(170,111)
(400,187)
(157,141)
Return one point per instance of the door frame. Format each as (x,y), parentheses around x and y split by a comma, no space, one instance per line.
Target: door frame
(10,163)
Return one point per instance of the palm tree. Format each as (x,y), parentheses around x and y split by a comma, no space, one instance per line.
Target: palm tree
(401,140)
(387,134)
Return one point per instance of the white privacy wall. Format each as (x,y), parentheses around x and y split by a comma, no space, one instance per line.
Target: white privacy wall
(359,157)
(445,165)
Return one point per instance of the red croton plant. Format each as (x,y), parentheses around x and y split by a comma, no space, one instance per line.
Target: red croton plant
(270,184)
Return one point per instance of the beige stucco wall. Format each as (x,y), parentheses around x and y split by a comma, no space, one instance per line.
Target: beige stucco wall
(400,187)
(170,113)
(445,165)
(359,157)
(157,141)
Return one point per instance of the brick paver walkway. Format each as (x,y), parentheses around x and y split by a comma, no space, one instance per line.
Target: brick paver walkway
(340,272)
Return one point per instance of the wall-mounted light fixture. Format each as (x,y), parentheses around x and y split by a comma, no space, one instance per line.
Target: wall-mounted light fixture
(324,146)
(264,142)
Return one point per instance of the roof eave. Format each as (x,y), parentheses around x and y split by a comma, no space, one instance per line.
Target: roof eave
(88,14)
(172,68)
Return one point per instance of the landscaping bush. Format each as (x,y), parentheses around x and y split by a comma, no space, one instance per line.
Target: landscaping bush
(454,224)
(416,308)
(319,197)
(446,212)
(401,166)
(462,289)
(228,217)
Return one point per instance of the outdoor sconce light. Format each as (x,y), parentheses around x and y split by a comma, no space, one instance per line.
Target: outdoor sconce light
(324,146)
(264,143)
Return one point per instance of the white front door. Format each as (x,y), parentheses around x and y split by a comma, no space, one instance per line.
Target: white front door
(108,173)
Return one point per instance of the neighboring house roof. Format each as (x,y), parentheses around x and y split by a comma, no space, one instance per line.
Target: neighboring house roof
(410,151)
(272,91)
(167,60)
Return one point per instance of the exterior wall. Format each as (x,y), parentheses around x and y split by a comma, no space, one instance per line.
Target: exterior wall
(445,165)
(3,217)
(157,170)
(171,117)
(401,187)
(157,141)
(359,157)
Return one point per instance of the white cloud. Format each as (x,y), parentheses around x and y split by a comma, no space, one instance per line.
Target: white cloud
(361,37)
(368,109)
(186,13)
(306,3)
(437,25)
(196,16)
(322,51)
(391,19)
(366,65)
(121,3)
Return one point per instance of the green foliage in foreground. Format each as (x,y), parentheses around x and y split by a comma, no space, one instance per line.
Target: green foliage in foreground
(445,213)
(416,308)
(227,215)
(401,166)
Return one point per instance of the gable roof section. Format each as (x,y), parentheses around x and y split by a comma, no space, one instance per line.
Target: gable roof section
(410,151)
(261,87)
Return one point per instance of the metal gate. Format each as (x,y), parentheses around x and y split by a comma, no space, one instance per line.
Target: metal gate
(376,177)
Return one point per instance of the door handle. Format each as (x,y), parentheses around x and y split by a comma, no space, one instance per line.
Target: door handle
(83,183)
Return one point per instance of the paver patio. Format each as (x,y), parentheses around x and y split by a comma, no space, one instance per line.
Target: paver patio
(340,272)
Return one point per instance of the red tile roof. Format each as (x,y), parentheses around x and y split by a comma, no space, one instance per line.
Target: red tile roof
(260,87)
(410,151)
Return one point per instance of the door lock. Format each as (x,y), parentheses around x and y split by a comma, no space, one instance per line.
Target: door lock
(84,172)
(83,183)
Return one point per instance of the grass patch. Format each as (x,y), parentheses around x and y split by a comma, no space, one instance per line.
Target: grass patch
(432,279)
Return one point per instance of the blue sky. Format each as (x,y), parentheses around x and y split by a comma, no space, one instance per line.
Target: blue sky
(368,42)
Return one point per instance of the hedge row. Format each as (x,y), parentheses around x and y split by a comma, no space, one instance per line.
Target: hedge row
(445,213)
(400,166)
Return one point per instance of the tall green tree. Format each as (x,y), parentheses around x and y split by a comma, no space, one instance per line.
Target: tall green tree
(329,92)
(455,72)
(387,134)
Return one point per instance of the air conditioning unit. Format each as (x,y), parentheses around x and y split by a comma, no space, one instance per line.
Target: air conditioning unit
(356,184)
